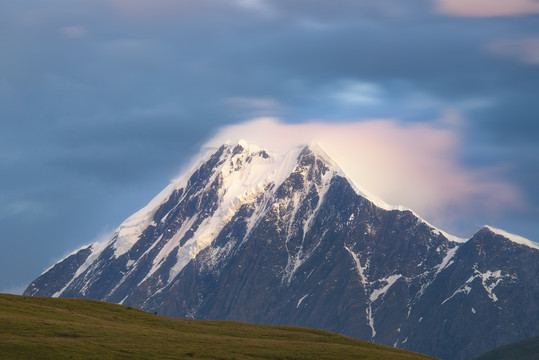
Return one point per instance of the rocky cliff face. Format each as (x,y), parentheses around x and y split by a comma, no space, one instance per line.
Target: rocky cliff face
(288,239)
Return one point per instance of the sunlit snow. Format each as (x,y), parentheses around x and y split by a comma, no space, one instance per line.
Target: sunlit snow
(514,238)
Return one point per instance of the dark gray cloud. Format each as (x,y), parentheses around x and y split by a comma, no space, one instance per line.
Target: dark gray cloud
(102,102)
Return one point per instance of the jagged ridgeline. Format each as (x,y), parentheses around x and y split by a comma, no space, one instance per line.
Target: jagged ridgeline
(269,238)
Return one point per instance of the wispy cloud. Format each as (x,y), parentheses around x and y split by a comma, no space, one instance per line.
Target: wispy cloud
(358,93)
(523,50)
(262,6)
(73,32)
(256,106)
(155,9)
(488,8)
(21,207)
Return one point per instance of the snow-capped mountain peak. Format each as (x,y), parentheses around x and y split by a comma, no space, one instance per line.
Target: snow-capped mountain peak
(252,235)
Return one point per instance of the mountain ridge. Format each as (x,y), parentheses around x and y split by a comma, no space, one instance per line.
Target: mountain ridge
(261,237)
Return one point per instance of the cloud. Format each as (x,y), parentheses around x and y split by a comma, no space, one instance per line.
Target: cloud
(156,9)
(73,32)
(22,207)
(251,102)
(359,93)
(415,165)
(256,5)
(116,112)
(256,107)
(488,8)
(523,50)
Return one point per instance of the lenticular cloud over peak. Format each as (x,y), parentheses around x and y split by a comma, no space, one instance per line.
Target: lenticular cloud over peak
(416,165)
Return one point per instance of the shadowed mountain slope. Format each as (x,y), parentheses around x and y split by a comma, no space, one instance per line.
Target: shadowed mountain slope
(269,238)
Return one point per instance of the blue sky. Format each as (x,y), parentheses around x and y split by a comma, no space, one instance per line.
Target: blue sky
(103,102)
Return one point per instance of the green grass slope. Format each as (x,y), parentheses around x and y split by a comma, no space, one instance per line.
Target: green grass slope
(45,328)
(523,350)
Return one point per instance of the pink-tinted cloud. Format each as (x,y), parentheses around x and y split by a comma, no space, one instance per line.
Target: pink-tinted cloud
(522,50)
(414,165)
(488,8)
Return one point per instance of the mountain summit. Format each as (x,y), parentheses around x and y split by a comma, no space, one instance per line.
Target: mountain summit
(254,236)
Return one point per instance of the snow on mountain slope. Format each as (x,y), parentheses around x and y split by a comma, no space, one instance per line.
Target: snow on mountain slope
(514,238)
(252,235)
(242,174)
(245,175)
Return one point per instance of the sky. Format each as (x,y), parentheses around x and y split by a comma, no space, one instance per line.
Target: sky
(430,104)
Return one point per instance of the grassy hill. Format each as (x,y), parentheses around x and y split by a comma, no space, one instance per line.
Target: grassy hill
(523,350)
(45,328)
